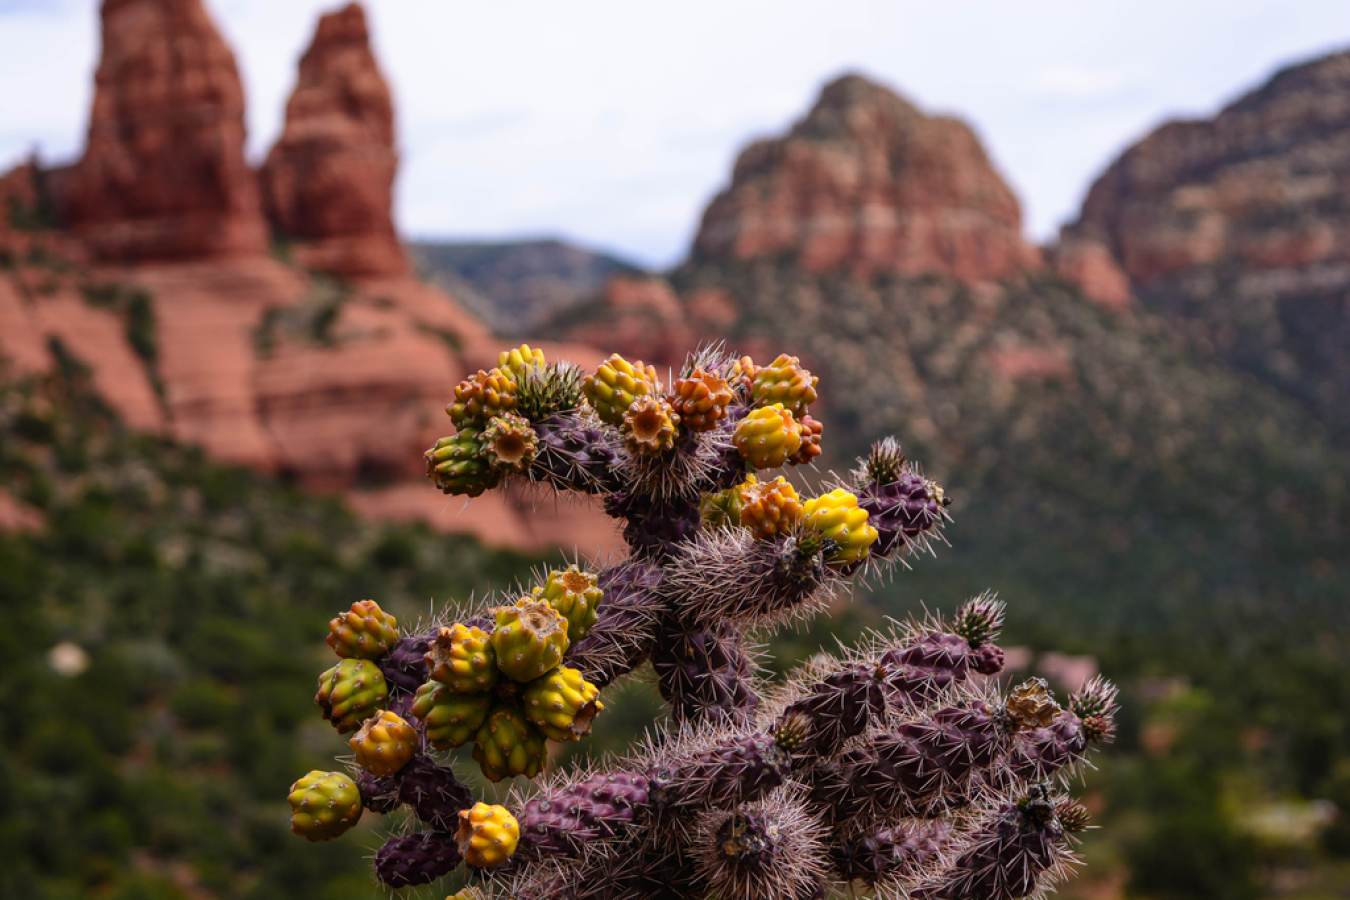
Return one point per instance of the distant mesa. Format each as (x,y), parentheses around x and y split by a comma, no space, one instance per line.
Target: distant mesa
(163,175)
(866,183)
(1263,185)
(329,179)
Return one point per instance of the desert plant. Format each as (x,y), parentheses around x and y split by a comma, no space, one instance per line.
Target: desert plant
(897,767)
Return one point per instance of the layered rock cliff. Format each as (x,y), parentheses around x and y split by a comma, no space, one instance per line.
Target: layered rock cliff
(1239,227)
(867,183)
(163,175)
(328,181)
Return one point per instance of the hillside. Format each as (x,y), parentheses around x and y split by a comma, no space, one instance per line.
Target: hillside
(1133,496)
(1236,228)
(159,691)
(514,286)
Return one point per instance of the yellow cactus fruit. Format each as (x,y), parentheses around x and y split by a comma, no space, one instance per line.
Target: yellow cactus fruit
(785,381)
(767,437)
(576,594)
(324,805)
(480,397)
(562,704)
(701,399)
(365,631)
(487,835)
(530,639)
(769,508)
(616,384)
(507,745)
(451,719)
(519,360)
(462,658)
(509,442)
(351,692)
(837,516)
(813,430)
(649,426)
(384,744)
(743,375)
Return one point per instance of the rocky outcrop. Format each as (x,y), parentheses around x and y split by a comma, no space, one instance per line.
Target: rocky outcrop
(1263,185)
(163,174)
(1088,265)
(1238,229)
(328,181)
(866,183)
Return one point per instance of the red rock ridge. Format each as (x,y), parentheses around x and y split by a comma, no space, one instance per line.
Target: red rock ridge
(866,183)
(163,174)
(1264,185)
(328,181)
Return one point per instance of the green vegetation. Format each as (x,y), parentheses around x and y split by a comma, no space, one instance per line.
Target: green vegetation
(166,624)
(313,320)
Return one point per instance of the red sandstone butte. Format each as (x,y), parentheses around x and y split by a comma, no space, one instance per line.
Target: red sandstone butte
(328,181)
(163,174)
(866,183)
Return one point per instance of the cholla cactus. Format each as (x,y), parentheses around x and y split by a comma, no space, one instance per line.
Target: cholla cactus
(900,768)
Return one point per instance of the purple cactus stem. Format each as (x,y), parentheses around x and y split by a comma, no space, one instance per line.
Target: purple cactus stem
(562,821)
(416,858)
(900,511)
(574,455)
(890,852)
(837,708)
(703,672)
(918,769)
(378,794)
(433,793)
(1009,856)
(625,629)
(404,666)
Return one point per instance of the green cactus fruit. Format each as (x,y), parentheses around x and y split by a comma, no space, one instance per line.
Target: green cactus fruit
(577,595)
(351,692)
(530,639)
(721,509)
(562,704)
(507,745)
(363,632)
(451,719)
(461,657)
(616,384)
(458,465)
(785,381)
(509,443)
(324,805)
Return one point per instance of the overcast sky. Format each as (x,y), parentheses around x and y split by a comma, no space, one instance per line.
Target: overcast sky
(613,123)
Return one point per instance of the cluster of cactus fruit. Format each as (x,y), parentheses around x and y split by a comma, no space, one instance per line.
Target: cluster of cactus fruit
(898,768)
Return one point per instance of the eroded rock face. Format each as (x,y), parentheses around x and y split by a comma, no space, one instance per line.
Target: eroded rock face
(328,181)
(1238,228)
(163,174)
(1262,185)
(867,183)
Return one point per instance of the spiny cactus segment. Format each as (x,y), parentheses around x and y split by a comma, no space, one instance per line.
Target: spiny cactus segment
(899,768)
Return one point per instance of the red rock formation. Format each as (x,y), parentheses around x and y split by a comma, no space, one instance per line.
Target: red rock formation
(1088,265)
(1263,185)
(328,181)
(641,317)
(163,174)
(867,183)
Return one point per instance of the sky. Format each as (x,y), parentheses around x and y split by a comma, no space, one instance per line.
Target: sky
(614,123)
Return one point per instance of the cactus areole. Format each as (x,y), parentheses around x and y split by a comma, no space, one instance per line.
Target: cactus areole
(897,768)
